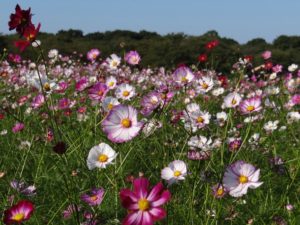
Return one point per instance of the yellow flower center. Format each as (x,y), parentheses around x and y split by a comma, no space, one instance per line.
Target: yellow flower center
(233,102)
(250,108)
(100,93)
(200,119)
(18,217)
(114,63)
(110,84)
(143,204)
(102,158)
(47,87)
(177,173)
(94,198)
(220,191)
(204,86)
(243,179)
(126,123)
(183,79)
(125,93)
(110,106)
(94,56)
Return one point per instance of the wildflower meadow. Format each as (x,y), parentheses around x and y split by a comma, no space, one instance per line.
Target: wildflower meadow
(98,139)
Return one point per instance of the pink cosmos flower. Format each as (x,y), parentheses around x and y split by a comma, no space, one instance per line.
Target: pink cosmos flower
(38,101)
(240,176)
(98,91)
(121,124)
(144,205)
(67,213)
(95,198)
(218,191)
(250,105)
(18,213)
(183,75)
(266,55)
(18,127)
(132,58)
(93,54)
(64,103)
(81,84)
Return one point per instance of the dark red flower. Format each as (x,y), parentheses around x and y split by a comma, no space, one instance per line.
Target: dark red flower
(20,20)
(268,65)
(202,58)
(29,34)
(224,80)
(212,44)
(249,58)
(18,213)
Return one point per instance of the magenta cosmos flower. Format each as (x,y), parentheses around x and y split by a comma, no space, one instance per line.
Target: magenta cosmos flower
(144,205)
(93,54)
(18,213)
(121,124)
(98,91)
(250,105)
(18,127)
(132,58)
(240,176)
(95,198)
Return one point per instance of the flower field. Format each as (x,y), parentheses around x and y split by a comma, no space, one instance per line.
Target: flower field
(94,139)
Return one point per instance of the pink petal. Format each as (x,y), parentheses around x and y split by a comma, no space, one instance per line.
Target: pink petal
(165,197)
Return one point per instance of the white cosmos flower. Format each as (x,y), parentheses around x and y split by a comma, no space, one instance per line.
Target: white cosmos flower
(292,67)
(109,102)
(292,117)
(175,171)
(232,100)
(270,126)
(113,62)
(111,82)
(240,176)
(125,91)
(100,156)
(205,84)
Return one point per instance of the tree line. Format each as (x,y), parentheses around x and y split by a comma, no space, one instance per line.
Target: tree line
(163,50)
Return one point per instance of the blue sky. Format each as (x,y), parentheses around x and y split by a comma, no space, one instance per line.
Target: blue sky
(241,20)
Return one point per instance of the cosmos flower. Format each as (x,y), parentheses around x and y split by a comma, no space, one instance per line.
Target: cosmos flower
(266,55)
(109,102)
(20,186)
(18,213)
(150,102)
(125,91)
(98,91)
(232,100)
(111,82)
(18,127)
(183,75)
(200,142)
(240,176)
(143,204)
(174,172)
(218,191)
(113,62)
(93,54)
(100,156)
(81,84)
(121,124)
(250,105)
(20,20)
(205,84)
(132,58)
(64,103)
(30,33)
(95,198)
(37,101)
